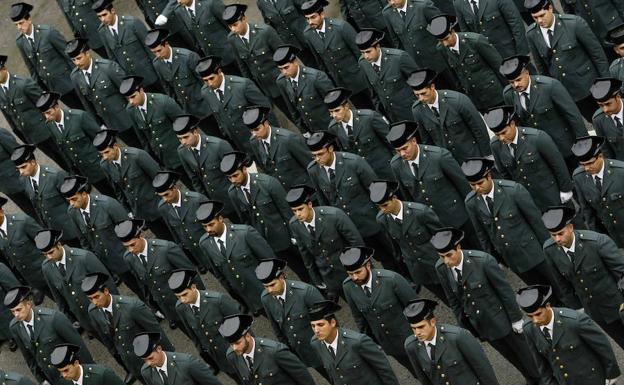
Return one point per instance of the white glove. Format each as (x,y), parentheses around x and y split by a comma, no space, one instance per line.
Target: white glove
(517,327)
(293,241)
(612,381)
(161,20)
(45,382)
(565,196)
(581,310)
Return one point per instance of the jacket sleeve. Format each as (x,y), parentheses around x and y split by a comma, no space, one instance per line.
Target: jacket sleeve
(148,164)
(31,69)
(293,366)
(453,172)
(554,160)
(347,230)
(254,96)
(403,290)
(611,256)
(567,108)
(501,286)
(490,55)
(299,151)
(360,320)
(258,245)
(376,359)
(116,211)
(592,47)
(530,212)
(482,233)
(200,372)
(476,358)
(540,64)
(110,378)
(512,16)
(599,343)
(470,115)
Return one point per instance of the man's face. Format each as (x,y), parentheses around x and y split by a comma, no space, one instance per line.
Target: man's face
(162,51)
(215,227)
(213,81)
(4,74)
(611,106)
(27,169)
(276,286)
(135,245)
(239,177)
(52,114)
(156,358)
(451,258)
(507,134)
(137,98)
(564,236)
(188,295)
(324,329)
(483,186)
(24,26)
(315,20)
(544,18)
(1,215)
(70,372)
(110,154)
(360,275)
(408,151)
(371,54)
(289,70)
(542,316)
(21,312)
(239,27)
(55,253)
(242,345)
(324,156)
(82,60)
(100,299)
(594,165)
(107,17)
(185,3)
(396,4)
(341,113)
(449,40)
(619,49)
(170,196)
(426,95)
(303,212)
(520,83)
(424,330)
(189,139)
(78,200)
(391,206)
(261,131)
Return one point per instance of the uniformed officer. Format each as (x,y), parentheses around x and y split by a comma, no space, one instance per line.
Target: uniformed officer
(321,233)
(599,185)
(96,216)
(529,157)
(473,60)
(233,251)
(168,367)
(43,49)
(303,88)
(436,349)
(279,152)
(37,330)
(552,331)
(201,313)
(482,300)
(543,103)
(608,120)
(83,22)
(97,83)
(123,38)
(347,356)
(386,70)
(14,378)
(65,358)
(363,14)
(447,118)
(565,48)
(589,265)
(11,185)
(131,171)
(117,319)
(8,280)
(615,38)
(161,13)
(332,41)
(376,298)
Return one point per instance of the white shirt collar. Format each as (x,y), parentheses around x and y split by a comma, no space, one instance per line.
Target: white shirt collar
(6,83)
(109,308)
(460,266)
(348,122)
(515,139)
(164,366)
(572,245)
(334,343)
(3,225)
(432,340)
(311,223)
(296,77)
(197,302)
(252,352)
(32,33)
(399,215)
(322,29)
(545,30)
(37,174)
(282,295)
(118,159)
(601,172)
(62,119)
(550,325)
(378,61)
(403,8)
(191,7)
(332,166)
(456,46)
(144,105)
(246,35)
(221,86)
(31,322)
(369,283)
(435,103)
(490,194)
(268,138)
(90,69)
(145,247)
(63,259)
(528,89)
(88,207)
(178,203)
(199,143)
(620,113)
(223,237)
(115,25)
(80,377)
(170,58)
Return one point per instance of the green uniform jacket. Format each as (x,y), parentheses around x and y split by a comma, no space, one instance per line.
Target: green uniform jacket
(99,235)
(551,109)
(130,317)
(8,173)
(47,63)
(286,18)
(14,378)
(350,191)
(514,229)
(413,234)
(536,164)
(337,53)
(95,374)
(365,14)
(380,316)
(576,59)
(614,136)
(333,231)
(601,15)
(287,159)
(133,184)
(617,69)
(290,322)
(305,103)
(129,49)
(357,358)
(499,21)
(593,276)
(389,85)
(151,9)
(7,282)
(155,129)
(82,20)
(580,353)
(273,364)
(460,128)
(459,359)
(182,369)
(476,67)
(255,59)
(268,212)
(203,330)
(235,270)
(604,207)
(440,184)
(66,290)
(368,140)
(51,328)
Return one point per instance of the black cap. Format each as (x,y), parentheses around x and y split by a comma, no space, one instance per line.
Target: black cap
(313,6)
(497,118)
(181,279)
(233,12)
(556,218)
(76,46)
(322,310)
(20,11)
(441,25)
(145,343)
(233,161)
(446,239)
(336,97)
(421,78)
(208,210)
(368,37)
(23,153)
(254,115)
(401,132)
(129,229)
(382,191)
(615,35)
(156,37)
(63,355)
(100,5)
(419,309)
(534,6)
(129,84)
(533,297)
(513,66)
(105,138)
(47,238)
(235,326)
(94,282)
(16,295)
(269,269)
(353,258)
(184,123)
(476,169)
(320,140)
(285,54)
(47,100)
(587,147)
(72,185)
(3,201)
(164,180)
(604,89)
(299,194)
(3,60)
(208,65)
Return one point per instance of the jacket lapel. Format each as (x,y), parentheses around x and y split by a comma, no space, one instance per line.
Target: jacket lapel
(499,198)
(558,328)
(533,96)
(375,288)
(558,31)
(442,103)
(172,368)
(339,169)
(423,163)
(341,349)
(440,346)
(579,251)
(258,355)
(69,264)
(607,178)
(482,5)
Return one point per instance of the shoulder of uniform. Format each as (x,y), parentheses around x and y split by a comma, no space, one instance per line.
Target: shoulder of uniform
(567,17)
(530,131)
(549,243)
(311,164)
(333,21)
(267,343)
(566,313)
(44,311)
(383,273)
(238,227)
(431,149)
(532,27)
(506,183)
(439,263)
(578,170)
(614,163)
(599,113)
(448,329)
(588,235)
(471,196)
(410,340)
(348,155)
(395,158)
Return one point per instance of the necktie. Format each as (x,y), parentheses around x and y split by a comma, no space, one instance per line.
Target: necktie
(377,68)
(109,318)
(294,84)
(431,351)
(249,363)
(322,35)
(2,234)
(195,154)
(60,127)
(598,183)
(35,186)
(195,310)
(4,90)
(115,35)
(570,255)
(402,14)
(192,14)
(547,335)
(349,130)
(512,149)
(415,169)
(219,94)
(31,331)
(87,77)
(87,217)
(435,111)
(168,64)
(221,246)
(117,167)
(331,351)
(459,276)
(525,99)
(398,221)
(165,379)
(551,36)
(281,301)
(143,259)
(247,194)
(61,267)
(618,122)
(312,231)
(490,204)
(143,112)
(245,42)
(267,147)
(367,291)
(475,7)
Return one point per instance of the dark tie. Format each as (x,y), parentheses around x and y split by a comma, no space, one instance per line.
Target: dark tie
(398,221)
(31,331)
(294,84)
(547,335)
(192,14)
(367,291)
(169,64)
(220,95)
(512,149)
(332,176)
(551,36)
(143,259)
(281,301)
(165,379)
(312,231)
(247,194)
(2,234)
(221,246)
(4,90)
(459,276)
(87,218)
(195,310)
(525,96)
(431,351)
(475,7)
(115,35)
(435,111)
(402,14)
(143,112)
(377,68)
(249,364)
(32,43)
(61,267)
(349,130)
(571,255)
(322,35)
(331,351)
(490,204)
(598,183)
(195,154)
(415,169)
(87,77)
(60,127)
(245,42)
(267,147)
(618,122)
(109,318)
(35,186)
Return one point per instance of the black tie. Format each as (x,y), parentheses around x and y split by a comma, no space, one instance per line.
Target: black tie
(168,64)
(367,291)
(4,90)
(525,96)
(435,111)
(195,154)
(60,127)
(322,35)
(245,42)
(143,259)
(512,149)
(61,267)
(2,234)
(571,255)
(349,130)
(32,44)
(31,331)
(192,14)
(490,204)
(415,169)
(332,176)
(118,167)
(475,7)
(547,335)
(312,231)
(221,246)
(294,84)
(618,122)
(220,95)
(331,351)
(165,379)
(459,276)
(431,351)
(247,194)
(143,112)
(87,217)
(249,363)
(88,77)
(35,186)
(281,301)
(551,36)
(402,13)
(598,183)
(195,310)
(109,318)
(115,35)
(267,147)
(377,68)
